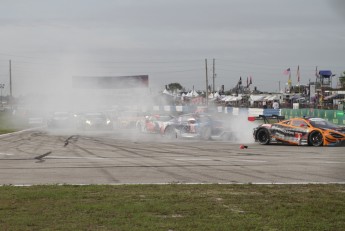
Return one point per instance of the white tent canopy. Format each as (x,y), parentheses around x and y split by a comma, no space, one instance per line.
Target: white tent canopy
(192,93)
(257,97)
(214,95)
(271,97)
(231,98)
(331,96)
(166,92)
(264,97)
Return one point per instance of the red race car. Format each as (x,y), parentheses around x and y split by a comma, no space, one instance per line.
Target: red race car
(152,123)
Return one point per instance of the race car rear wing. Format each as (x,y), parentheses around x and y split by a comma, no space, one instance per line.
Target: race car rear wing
(266,119)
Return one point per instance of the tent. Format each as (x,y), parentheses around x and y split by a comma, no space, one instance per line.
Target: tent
(257,97)
(236,98)
(272,97)
(231,98)
(331,96)
(166,92)
(227,98)
(192,93)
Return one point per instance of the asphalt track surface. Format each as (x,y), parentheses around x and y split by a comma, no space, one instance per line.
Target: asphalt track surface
(126,157)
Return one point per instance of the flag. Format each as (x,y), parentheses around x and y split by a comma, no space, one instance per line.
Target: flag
(298,76)
(287,71)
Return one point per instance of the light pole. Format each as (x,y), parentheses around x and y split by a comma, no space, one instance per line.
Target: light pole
(2,85)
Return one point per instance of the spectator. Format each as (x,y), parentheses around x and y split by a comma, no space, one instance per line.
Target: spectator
(264,104)
(275,105)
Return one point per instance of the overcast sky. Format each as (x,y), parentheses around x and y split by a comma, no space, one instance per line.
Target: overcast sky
(49,41)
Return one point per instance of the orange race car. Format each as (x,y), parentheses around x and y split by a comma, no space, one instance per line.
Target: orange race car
(300,131)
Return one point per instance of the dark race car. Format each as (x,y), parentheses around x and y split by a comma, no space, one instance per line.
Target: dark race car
(196,126)
(128,118)
(301,131)
(94,121)
(60,120)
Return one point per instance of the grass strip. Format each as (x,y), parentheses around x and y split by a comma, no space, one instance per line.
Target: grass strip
(173,207)
(10,123)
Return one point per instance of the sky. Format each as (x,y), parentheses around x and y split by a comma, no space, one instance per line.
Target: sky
(49,42)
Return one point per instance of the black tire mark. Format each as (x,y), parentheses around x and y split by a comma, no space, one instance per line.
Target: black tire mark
(171,173)
(101,168)
(73,138)
(134,153)
(40,157)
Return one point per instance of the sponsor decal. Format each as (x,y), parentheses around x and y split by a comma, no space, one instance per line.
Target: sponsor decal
(283,130)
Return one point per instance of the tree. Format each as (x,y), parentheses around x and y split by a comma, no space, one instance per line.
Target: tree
(174,87)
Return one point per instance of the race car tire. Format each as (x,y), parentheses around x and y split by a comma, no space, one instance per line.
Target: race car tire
(315,139)
(263,136)
(170,132)
(206,133)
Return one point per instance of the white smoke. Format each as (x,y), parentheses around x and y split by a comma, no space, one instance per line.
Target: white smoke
(241,128)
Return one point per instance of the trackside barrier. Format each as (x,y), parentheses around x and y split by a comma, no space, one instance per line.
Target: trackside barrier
(266,112)
(235,111)
(167,108)
(228,110)
(179,108)
(255,111)
(243,111)
(334,116)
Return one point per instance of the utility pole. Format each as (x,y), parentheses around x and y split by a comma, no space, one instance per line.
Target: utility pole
(10,82)
(214,75)
(206,83)
(279,87)
(2,85)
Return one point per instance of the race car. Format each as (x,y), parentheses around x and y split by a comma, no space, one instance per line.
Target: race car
(300,131)
(152,123)
(195,125)
(128,119)
(60,120)
(93,121)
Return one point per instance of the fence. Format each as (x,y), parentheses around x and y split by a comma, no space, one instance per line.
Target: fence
(334,116)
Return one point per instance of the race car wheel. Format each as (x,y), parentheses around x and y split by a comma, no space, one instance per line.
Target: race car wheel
(263,136)
(170,133)
(206,133)
(315,139)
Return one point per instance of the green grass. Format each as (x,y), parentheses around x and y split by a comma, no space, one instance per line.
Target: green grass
(11,123)
(173,207)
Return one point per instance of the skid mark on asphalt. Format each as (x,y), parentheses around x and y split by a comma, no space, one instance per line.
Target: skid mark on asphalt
(195,157)
(160,169)
(101,168)
(40,157)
